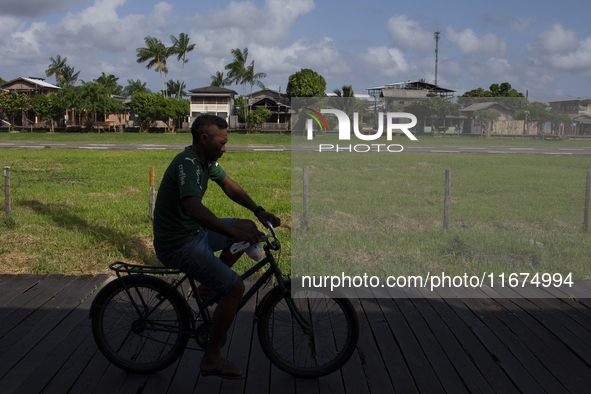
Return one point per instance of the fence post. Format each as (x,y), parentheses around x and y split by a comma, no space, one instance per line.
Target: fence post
(587,201)
(306,198)
(152,194)
(7,190)
(447,198)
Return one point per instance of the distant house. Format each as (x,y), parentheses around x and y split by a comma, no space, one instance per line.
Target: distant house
(211,100)
(402,93)
(31,87)
(579,109)
(504,124)
(276,102)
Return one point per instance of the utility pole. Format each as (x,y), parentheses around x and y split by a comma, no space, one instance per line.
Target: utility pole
(436,54)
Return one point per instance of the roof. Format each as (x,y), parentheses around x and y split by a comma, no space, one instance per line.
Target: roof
(212,90)
(34,81)
(414,85)
(571,100)
(485,105)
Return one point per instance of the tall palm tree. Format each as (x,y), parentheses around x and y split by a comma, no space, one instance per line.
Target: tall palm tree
(218,80)
(180,47)
(56,68)
(68,76)
(254,79)
(237,69)
(345,91)
(135,87)
(155,53)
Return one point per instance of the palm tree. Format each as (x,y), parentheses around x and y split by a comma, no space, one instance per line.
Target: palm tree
(56,68)
(181,47)
(345,91)
(237,69)
(177,86)
(68,76)
(252,78)
(155,54)
(110,82)
(218,80)
(135,87)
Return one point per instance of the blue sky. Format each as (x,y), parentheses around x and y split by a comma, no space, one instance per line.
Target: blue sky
(540,47)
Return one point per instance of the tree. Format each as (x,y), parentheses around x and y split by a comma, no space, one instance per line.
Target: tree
(485,119)
(110,83)
(69,77)
(502,93)
(143,105)
(237,69)
(13,104)
(48,107)
(95,100)
(218,80)
(133,87)
(433,109)
(180,47)
(345,91)
(306,83)
(254,79)
(257,117)
(177,87)
(155,53)
(56,68)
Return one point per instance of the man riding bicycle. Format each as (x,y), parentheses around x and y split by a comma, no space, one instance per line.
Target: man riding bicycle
(186,233)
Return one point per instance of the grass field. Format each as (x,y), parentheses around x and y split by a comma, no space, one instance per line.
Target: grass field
(75,212)
(384,216)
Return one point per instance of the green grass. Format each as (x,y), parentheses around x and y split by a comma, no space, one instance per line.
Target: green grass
(75,212)
(382,214)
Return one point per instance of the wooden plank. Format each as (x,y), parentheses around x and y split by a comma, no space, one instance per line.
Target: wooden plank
(559,360)
(18,285)
(449,310)
(378,379)
(511,342)
(448,378)
(61,328)
(473,379)
(401,352)
(18,345)
(259,366)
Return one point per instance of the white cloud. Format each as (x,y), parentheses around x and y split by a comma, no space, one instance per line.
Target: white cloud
(384,61)
(562,49)
(470,44)
(409,34)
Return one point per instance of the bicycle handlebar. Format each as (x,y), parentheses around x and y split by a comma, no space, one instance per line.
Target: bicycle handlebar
(273,244)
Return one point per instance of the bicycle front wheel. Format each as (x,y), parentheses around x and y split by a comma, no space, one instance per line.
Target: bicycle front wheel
(138,326)
(321,345)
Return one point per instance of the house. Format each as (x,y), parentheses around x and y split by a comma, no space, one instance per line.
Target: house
(212,100)
(504,124)
(31,87)
(579,109)
(276,102)
(402,93)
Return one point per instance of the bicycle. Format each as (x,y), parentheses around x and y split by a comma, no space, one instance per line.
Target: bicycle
(142,323)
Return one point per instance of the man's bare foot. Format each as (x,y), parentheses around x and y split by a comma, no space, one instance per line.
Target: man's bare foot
(226,370)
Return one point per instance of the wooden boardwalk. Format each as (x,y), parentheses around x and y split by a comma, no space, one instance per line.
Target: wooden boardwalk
(462,345)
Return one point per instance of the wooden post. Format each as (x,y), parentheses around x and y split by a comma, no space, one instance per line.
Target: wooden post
(152,194)
(7,190)
(447,198)
(306,197)
(587,201)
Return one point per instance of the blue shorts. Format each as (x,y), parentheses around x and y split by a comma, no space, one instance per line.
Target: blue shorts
(196,258)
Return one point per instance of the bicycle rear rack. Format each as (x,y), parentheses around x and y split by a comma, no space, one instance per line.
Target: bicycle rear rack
(121,268)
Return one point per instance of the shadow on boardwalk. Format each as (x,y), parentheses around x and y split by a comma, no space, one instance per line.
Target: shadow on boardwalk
(406,345)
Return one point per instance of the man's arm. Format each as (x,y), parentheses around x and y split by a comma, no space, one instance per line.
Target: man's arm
(205,218)
(239,196)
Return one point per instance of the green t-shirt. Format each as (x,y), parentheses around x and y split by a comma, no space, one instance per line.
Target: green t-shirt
(185,176)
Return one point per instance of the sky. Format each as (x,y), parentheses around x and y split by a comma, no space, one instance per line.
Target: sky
(539,47)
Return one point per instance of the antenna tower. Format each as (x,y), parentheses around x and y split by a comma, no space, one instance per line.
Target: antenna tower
(436,53)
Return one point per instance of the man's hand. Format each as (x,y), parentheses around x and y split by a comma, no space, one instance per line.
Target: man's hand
(252,236)
(264,216)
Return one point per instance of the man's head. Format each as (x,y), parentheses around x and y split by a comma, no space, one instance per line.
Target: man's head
(210,136)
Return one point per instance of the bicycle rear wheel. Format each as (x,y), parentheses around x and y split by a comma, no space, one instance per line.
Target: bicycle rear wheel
(138,326)
(323,347)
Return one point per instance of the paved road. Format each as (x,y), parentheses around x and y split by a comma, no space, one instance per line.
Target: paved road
(583,151)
